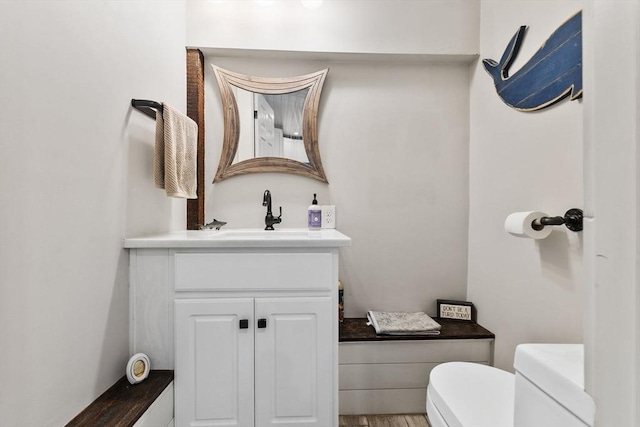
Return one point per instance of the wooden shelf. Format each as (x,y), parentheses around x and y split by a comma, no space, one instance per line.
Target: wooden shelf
(356,329)
(123,404)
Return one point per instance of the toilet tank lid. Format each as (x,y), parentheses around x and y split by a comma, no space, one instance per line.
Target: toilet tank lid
(557,369)
(471,394)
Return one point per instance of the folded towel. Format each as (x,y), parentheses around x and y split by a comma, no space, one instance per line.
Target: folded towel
(403,323)
(175,153)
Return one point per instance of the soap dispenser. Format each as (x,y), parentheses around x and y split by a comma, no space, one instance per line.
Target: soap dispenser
(314,215)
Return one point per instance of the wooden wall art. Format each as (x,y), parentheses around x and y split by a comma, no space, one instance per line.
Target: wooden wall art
(553,72)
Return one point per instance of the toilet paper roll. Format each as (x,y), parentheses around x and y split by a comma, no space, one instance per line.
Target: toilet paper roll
(138,368)
(519,224)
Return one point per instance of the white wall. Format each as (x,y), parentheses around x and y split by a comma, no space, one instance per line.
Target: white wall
(525,290)
(393,139)
(434,27)
(76,177)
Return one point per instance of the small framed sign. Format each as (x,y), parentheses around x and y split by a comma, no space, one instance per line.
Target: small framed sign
(457,310)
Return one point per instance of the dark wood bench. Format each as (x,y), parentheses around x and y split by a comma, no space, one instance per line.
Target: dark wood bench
(123,404)
(356,329)
(382,374)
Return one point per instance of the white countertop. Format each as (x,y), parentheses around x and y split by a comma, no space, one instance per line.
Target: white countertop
(242,238)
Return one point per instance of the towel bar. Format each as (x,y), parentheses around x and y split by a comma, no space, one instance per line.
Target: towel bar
(146,107)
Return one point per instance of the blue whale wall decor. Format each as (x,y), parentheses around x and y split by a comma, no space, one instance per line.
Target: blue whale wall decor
(552,73)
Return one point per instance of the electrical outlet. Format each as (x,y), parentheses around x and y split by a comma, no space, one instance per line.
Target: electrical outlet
(328,216)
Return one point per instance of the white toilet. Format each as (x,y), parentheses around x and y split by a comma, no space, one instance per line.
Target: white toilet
(462,394)
(547,390)
(550,387)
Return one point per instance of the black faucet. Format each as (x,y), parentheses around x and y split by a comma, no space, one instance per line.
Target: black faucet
(269,220)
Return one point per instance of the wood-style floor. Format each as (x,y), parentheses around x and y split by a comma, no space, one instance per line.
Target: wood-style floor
(417,420)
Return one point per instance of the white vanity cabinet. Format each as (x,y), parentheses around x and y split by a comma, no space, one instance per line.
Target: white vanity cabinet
(281,355)
(250,328)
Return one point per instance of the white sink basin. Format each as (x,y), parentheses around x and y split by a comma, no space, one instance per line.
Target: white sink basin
(251,234)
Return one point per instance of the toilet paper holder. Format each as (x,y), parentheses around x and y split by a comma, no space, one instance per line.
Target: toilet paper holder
(572,219)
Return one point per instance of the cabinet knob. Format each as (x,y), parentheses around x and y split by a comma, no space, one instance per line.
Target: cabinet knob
(244,323)
(262,323)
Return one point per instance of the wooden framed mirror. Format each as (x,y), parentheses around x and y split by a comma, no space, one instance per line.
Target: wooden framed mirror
(270,124)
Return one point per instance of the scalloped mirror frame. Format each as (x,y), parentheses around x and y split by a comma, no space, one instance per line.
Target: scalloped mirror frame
(269,85)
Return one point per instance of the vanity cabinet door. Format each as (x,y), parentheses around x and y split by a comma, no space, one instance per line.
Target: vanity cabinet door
(214,362)
(294,361)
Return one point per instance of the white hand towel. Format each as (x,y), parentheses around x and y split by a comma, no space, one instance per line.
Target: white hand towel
(175,153)
(398,323)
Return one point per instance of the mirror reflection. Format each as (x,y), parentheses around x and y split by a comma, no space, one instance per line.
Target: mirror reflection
(270,125)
